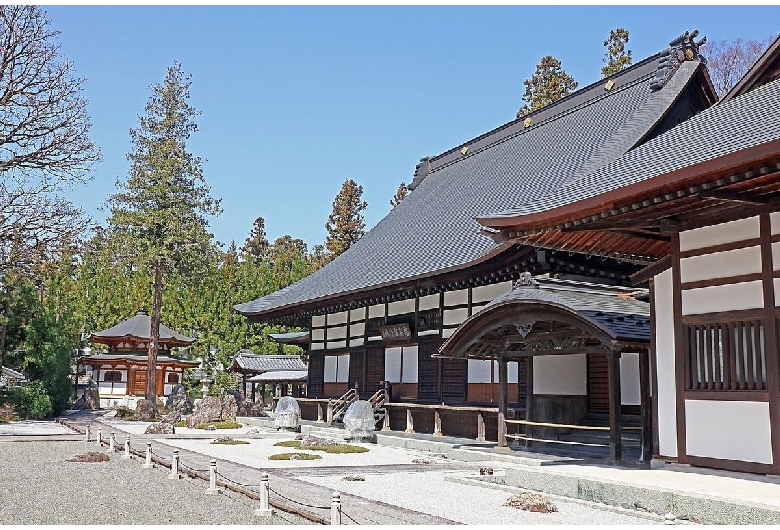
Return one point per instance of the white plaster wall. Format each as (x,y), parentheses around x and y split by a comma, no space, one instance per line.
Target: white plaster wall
(357,330)
(456,297)
(732,297)
(721,264)
(337,318)
(337,333)
(664,357)
(356,342)
(479,371)
(400,308)
(318,321)
(316,346)
(393,364)
(445,333)
(428,332)
(166,389)
(318,334)
(333,345)
(734,430)
(411,357)
(375,311)
(776,284)
(485,293)
(708,236)
(563,375)
(455,316)
(429,302)
(774,219)
(629,379)
(511,372)
(775,256)
(336,368)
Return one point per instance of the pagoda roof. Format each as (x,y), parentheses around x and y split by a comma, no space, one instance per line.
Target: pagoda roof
(138,328)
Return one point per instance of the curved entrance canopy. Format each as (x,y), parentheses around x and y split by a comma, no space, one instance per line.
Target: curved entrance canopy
(556,318)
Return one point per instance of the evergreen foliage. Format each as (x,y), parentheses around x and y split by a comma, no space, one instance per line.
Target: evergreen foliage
(256,245)
(548,84)
(400,195)
(345,224)
(616,57)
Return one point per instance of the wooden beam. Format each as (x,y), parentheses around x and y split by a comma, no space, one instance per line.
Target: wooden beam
(566,351)
(724,195)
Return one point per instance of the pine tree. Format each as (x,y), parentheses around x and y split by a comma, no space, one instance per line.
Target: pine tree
(400,195)
(548,84)
(345,224)
(159,214)
(616,57)
(256,245)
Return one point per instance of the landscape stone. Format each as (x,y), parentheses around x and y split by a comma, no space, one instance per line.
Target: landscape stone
(248,408)
(172,417)
(178,400)
(253,431)
(315,441)
(160,428)
(144,410)
(92,396)
(209,409)
(229,408)
(237,395)
(211,428)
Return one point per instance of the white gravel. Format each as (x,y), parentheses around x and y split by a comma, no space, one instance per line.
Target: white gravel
(40,487)
(32,428)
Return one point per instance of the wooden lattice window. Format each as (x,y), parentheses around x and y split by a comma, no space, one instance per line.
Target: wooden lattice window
(173,378)
(113,376)
(725,356)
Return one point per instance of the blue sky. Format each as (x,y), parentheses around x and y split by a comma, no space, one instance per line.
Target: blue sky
(296,99)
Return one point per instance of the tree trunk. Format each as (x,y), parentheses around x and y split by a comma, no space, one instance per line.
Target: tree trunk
(154,338)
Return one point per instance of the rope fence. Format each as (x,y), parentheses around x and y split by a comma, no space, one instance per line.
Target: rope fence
(150,456)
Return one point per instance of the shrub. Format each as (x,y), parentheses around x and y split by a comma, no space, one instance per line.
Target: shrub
(124,412)
(288,456)
(8,413)
(181,423)
(220,425)
(32,401)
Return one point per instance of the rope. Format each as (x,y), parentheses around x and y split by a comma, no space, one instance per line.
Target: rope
(297,502)
(345,514)
(182,464)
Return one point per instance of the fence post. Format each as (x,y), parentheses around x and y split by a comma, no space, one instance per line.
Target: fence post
(111,442)
(501,430)
(386,423)
(148,464)
(409,421)
(127,447)
(264,510)
(212,489)
(437,423)
(87,434)
(174,466)
(99,439)
(335,509)
(330,413)
(319,413)
(480,427)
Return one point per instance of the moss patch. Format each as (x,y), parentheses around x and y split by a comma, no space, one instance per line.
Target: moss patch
(181,423)
(226,440)
(288,443)
(332,449)
(289,456)
(220,425)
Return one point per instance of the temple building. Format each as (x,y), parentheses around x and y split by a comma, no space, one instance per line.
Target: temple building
(456,328)
(121,372)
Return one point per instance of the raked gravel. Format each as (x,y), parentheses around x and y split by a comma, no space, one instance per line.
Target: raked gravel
(40,487)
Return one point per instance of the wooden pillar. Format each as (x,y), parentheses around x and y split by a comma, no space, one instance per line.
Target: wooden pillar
(437,423)
(253,392)
(646,406)
(529,397)
(615,435)
(243,380)
(770,338)
(262,394)
(481,428)
(502,399)
(409,421)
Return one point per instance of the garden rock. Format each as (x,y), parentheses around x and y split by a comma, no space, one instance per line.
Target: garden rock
(178,400)
(295,457)
(90,457)
(211,428)
(237,395)
(92,396)
(144,410)
(248,408)
(210,409)
(229,408)
(160,428)
(531,502)
(172,417)
(253,431)
(316,441)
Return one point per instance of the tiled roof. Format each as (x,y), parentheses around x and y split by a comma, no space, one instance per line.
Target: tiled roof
(434,228)
(743,122)
(252,362)
(139,327)
(136,356)
(280,375)
(293,337)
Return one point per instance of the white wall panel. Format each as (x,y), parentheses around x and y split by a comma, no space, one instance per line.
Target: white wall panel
(342,374)
(318,334)
(318,321)
(721,264)
(563,375)
(455,316)
(376,311)
(400,308)
(708,236)
(734,430)
(664,345)
(445,333)
(774,219)
(732,297)
(479,371)
(357,330)
(456,297)
(393,364)
(411,356)
(337,318)
(429,302)
(316,346)
(428,332)
(356,342)
(629,379)
(485,293)
(337,333)
(333,345)
(511,372)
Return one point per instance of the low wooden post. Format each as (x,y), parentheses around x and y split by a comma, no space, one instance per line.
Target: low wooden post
(481,427)
(212,489)
(174,466)
(86,433)
(335,509)
(148,464)
(264,510)
(111,442)
(386,422)
(99,439)
(437,423)
(409,422)
(319,413)
(330,413)
(501,430)
(126,456)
